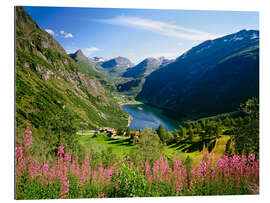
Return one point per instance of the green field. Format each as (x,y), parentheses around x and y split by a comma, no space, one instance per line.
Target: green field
(119,146)
(122,147)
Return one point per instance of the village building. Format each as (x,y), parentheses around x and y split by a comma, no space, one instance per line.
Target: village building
(135,133)
(109,130)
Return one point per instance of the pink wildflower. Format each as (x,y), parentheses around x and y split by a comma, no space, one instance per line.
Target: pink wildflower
(116,186)
(251,158)
(64,187)
(27,138)
(67,157)
(45,168)
(20,161)
(108,172)
(52,174)
(19,153)
(60,150)
(86,170)
(94,175)
(34,168)
(102,195)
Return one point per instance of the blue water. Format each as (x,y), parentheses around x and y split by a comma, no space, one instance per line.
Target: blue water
(148,117)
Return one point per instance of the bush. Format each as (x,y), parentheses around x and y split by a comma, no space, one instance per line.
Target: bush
(148,147)
(130,182)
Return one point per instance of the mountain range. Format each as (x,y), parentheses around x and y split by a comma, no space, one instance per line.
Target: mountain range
(146,67)
(211,78)
(116,66)
(119,74)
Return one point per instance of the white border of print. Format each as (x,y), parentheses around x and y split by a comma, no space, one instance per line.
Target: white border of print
(7,85)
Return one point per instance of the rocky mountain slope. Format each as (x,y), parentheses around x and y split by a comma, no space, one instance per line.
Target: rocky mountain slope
(213,77)
(51,91)
(145,67)
(116,66)
(138,73)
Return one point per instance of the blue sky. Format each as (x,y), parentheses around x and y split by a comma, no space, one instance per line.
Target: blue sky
(137,33)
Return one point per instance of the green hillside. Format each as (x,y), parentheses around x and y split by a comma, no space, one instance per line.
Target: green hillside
(51,90)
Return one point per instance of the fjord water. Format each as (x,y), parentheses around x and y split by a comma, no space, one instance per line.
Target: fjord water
(147,116)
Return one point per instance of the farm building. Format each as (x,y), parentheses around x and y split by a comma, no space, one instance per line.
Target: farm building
(109,130)
(135,133)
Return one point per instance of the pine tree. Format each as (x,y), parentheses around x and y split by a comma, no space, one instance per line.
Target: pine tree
(183,132)
(190,134)
(161,133)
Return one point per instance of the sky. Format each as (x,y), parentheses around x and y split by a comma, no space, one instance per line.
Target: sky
(137,33)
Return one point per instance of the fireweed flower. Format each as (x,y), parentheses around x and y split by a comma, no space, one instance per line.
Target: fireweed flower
(64,189)
(45,170)
(67,157)
(235,169)
(19,153)
(102,195)
(86,170)
(52,174)
(60,150)
(108,172)
(20,161)
(179,175)
(116,186)
(100,169)
(63,172)
(27,138)
(251,158)
(94,175)
(34,168)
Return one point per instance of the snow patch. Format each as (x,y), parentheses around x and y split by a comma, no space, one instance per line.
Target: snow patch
(200,50)
(254,36)
(236,38)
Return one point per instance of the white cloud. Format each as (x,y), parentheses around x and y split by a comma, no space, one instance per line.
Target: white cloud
(50,31)
(68,35)
(88,51)
(159,27)
(65,34)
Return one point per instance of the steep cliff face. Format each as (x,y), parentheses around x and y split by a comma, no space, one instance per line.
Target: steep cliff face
(50,87)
